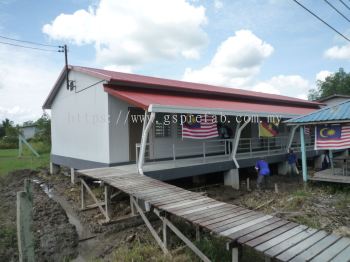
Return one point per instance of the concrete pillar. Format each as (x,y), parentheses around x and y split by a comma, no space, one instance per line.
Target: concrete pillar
(303,154)
(54,169)
(231,178)
(283,168)
(318,162)
(73,176)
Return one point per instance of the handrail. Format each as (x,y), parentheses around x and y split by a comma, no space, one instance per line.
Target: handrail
(223,147)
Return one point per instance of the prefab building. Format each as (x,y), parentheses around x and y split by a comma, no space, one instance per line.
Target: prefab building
(104,118)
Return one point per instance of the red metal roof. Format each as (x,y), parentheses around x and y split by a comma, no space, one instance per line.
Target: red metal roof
(143,99)
(175,85)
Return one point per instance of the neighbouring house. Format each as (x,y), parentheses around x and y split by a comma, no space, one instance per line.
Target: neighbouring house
(97,121)
(333,99)
(28,131)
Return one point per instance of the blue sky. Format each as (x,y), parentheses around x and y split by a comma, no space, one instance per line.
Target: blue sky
(272,46)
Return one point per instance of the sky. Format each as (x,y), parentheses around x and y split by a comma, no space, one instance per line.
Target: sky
(271,46)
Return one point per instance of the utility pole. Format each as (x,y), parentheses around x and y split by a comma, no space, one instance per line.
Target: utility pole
(64,49)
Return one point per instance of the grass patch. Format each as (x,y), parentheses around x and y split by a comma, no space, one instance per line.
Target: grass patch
(213,248)
(9,160)
(140,252)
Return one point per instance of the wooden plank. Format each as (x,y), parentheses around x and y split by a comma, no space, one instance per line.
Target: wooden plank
(265,233)
(206,202)
(208,216)
(332,250)
(201,212)
(237,223)
(276,236)
(173,200)
(209,213)
(181,213)
(244,214)
(245,225)
(342,256)
(183,203)
(289,242)
(301,246)
(255,227)
(230,217)
(316,249)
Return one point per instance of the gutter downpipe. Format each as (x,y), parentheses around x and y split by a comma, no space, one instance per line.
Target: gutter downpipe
(236,140)
(291,136)
(145,131)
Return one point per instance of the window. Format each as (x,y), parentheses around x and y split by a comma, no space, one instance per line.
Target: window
(162,127)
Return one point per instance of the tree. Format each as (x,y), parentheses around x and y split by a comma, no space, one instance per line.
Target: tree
(43,125)
(337,83)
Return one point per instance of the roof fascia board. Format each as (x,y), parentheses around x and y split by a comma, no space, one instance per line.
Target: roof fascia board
(218,111)
(318,122)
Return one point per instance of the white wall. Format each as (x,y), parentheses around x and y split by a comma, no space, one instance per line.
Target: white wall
(80,121)
(118,130)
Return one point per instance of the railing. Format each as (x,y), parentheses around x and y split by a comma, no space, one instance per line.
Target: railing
(247,147)
(202,149)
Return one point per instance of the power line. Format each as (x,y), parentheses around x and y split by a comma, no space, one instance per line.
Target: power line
(29,47)
(348,7)
(25,41)
(335,9)
(319,18)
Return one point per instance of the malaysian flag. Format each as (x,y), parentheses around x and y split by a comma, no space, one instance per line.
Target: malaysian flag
(332,137)
(205,128)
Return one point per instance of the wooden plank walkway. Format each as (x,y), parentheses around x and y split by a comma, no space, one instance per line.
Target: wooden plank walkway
(328,176)
(275,238)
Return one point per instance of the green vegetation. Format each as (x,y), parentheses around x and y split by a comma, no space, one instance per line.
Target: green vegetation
(9,160)
(41,142)
(337,83)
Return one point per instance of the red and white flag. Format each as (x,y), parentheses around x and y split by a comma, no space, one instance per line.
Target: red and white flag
(332,137)
(205,128)
(307,130)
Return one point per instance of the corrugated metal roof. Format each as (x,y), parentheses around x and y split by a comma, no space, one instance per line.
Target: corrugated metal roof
(154,83)
(339,112)
(176,102)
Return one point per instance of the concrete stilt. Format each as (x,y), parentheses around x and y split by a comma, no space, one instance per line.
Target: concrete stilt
(73,176)
(54,169)
(231,178)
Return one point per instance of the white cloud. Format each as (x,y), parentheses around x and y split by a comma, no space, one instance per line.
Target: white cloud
(124,69)
(133,32)
(235,62)
(289,85)
(338,52)
(321,76)
(25,80)
(218,4)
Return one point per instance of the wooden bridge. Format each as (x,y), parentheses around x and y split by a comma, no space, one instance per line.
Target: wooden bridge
(273,237)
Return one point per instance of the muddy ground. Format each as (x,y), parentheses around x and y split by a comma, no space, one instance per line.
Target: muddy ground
(54,237)
(320,206)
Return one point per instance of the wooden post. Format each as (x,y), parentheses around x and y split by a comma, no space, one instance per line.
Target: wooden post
(107,202)
(303,153)
(235,254)
(276,188)
(198,234)
(165,235)
(24,223)
(248,184)
(82,195)
(132,207)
